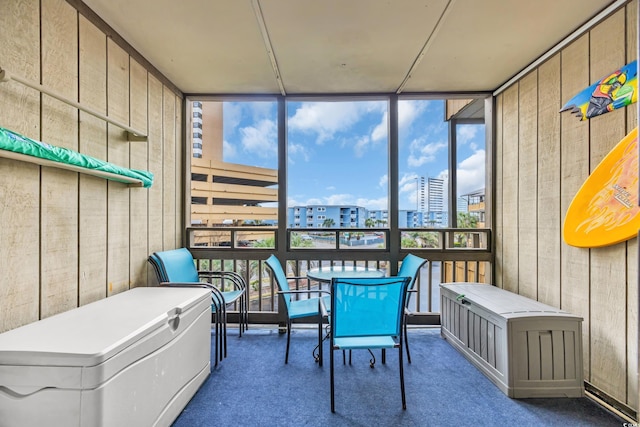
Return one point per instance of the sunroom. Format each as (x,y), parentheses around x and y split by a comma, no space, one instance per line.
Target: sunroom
(331,132)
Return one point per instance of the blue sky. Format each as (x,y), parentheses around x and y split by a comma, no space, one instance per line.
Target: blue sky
(337,151)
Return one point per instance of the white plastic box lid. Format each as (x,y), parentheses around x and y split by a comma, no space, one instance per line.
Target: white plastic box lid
(94,333)
(502,302)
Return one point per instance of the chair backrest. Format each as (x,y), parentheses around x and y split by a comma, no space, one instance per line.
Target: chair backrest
(367,306)
(157,267)
(410,267)
(176,265)
(280,277)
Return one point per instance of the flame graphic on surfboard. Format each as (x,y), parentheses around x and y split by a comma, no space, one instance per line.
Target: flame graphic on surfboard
(605,210)
(611,92)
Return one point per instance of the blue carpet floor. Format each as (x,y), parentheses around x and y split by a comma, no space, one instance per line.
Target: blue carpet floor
(253,387)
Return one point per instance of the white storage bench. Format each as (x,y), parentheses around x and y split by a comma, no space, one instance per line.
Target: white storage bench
(133,359)
(525,347)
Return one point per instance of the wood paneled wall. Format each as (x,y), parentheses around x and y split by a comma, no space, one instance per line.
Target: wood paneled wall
(68,239)
(542,159)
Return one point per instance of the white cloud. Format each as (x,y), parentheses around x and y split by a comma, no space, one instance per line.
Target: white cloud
(372,204)
(471,173)
(361,146)
(295,150)
(339,199)
(314,201)
(232,114)
(294,201)
(262,139)
(261,110)
(408,187)
(381,130)
(466,133)
(408,182)
(408,111)
(324,118)
(328,118)
(229,149)
(342,199)
(384,180)
(421,153)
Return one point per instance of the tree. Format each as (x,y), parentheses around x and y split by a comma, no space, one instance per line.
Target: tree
(369,222)
(296,242)
(465,220)
(381,222)
(408,242)
(328,223)
(428,239)
(265,243)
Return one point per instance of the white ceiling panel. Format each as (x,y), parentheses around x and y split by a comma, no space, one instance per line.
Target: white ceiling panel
(483,43)
(342,46)
(337,46)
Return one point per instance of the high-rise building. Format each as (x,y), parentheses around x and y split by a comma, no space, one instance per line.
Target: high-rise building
(435,195)
(196,136)
(224,193)
(431,201)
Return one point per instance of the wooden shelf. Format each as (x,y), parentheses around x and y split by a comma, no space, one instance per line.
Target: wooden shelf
(131,182)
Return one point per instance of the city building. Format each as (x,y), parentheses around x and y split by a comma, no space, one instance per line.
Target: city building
(350,216)
(224,193)
(474,203)
(431,203)
(327,216)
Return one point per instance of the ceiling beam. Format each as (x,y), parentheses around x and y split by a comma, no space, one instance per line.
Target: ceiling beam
(267,44)
(424,49)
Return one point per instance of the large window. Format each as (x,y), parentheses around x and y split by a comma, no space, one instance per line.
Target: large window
(337,163)
(433,135)
(234,171)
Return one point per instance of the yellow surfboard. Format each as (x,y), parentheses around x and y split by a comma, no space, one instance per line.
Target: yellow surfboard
(605,209)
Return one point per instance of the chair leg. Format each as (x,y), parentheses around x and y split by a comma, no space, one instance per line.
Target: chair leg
(320,340)
(404,400)
(241,308)
(246,311)
(214,318)
(406,341)
(286,357)
(333,407)
(240,317)
(220,326)
(224,335)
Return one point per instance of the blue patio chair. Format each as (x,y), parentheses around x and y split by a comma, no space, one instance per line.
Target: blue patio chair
(177,268)
(410,267)
(218,308)
(367,314)
(298,308)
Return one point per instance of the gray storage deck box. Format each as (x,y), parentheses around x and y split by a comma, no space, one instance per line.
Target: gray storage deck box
(133,359)
(525,347)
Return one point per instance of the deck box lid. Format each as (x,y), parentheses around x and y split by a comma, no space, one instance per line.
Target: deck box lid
(501,302)
(95,332)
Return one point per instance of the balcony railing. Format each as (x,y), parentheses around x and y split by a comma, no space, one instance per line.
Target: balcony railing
(452,254)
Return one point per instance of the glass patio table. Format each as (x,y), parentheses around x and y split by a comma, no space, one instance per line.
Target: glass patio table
(326,273)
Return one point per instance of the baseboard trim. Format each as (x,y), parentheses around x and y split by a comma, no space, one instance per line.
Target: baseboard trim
(610,403)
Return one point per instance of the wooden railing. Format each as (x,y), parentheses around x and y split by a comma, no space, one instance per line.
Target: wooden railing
(452,254)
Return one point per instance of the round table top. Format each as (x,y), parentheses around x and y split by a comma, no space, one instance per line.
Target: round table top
(326,273)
